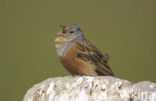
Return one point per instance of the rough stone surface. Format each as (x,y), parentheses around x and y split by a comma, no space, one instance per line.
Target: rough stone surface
(87,88)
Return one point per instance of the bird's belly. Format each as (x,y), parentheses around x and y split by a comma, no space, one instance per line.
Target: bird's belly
(75,65)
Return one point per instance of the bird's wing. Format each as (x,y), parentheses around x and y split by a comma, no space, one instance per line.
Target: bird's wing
(106,56)
(89,53)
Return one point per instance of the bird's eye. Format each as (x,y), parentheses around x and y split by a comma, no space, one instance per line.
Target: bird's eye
(71,32)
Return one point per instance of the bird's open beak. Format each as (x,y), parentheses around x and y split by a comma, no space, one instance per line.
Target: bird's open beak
(64,30)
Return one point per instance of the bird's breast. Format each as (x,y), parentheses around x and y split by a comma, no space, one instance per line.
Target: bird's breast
(75,65)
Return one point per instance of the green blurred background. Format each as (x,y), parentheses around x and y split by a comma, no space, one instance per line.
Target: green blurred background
(126,29)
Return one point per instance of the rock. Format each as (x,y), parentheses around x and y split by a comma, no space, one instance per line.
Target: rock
(88,88)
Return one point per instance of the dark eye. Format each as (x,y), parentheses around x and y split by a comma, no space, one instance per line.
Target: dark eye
(71,32)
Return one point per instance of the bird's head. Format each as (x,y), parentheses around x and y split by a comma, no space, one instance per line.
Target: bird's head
(72,32)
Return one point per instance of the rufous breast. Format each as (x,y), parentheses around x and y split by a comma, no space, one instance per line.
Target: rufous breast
(75,65)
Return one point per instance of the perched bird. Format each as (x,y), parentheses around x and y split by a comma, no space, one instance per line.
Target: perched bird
(78,55)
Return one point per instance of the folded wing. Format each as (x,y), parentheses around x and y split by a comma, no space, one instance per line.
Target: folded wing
(89,53)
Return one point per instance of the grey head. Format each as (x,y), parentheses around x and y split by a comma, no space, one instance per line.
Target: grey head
(73,32)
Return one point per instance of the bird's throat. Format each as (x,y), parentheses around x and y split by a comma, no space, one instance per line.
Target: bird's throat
(62,45)
(60,41)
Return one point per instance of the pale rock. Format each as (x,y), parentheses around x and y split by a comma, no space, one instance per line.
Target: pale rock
(88,88)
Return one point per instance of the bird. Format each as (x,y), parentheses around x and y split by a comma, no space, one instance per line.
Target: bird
(78,55)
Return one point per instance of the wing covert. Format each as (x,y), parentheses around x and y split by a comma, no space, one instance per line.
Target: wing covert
(89,53)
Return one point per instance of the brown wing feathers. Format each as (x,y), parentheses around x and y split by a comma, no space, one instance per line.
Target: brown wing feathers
(89,53)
